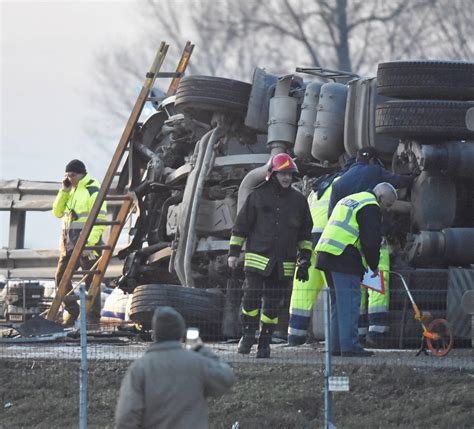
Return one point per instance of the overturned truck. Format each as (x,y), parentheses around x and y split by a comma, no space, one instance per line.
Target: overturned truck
(194,161)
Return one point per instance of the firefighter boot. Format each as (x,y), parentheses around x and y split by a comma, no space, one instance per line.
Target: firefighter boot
(248,337)
(264,340)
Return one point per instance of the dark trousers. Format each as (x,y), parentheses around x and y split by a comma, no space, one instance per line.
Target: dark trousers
(267,293)
(72,307)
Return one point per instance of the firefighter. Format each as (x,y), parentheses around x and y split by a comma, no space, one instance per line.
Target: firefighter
(349,244)
(73,203)
(275,222)
(304,294)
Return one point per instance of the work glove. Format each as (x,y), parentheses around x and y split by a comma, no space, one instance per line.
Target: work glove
(88,254)
(232,262)
(302,271)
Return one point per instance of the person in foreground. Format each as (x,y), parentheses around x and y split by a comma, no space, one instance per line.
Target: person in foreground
(167,387)
(349,244)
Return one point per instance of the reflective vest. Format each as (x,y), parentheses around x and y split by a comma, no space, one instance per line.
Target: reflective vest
(74,207)
(342,228)
(319,208)
(384,262)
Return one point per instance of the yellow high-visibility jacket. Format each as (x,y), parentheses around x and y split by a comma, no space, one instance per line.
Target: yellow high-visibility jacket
(74,207)
(342,228)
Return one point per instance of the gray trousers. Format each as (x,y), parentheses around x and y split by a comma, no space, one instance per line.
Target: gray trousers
(73,307)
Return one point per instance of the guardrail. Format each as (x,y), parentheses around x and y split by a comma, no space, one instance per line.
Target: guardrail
(40,264)
(18,196)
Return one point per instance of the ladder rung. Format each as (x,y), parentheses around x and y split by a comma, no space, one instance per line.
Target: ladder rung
(74,298)
(168,74)
(84,272)
(106,222)
(103,247)
(117,197)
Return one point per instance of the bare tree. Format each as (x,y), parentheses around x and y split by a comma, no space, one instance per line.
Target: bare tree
(233,37)
(454,36)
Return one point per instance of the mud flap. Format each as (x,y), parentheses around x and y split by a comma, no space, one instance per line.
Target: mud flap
(460,282)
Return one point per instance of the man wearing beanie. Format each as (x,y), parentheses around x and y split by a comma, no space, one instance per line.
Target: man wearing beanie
(73,203)
(167,387)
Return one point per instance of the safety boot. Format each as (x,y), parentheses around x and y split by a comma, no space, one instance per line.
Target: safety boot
(264,340)
(245,344)
(70,315)
(248,335)
(68,322)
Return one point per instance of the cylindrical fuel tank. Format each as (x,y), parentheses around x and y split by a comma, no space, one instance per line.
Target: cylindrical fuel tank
(282,114)
(454,158)
(451,246)
(359,126)
(433,201)
(328,141)
(305,133)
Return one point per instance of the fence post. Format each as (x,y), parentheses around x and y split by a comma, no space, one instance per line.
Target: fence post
(83,371)
(328,368)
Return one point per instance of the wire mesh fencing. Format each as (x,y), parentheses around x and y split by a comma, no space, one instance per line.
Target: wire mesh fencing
(42,374)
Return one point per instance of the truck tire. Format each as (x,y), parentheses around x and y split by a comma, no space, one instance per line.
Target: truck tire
(198,306)
(200,96)
(428,119)
(443,80)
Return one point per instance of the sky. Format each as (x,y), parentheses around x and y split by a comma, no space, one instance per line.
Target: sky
(48,54)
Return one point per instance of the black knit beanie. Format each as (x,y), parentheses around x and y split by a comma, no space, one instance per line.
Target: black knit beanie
(168,325)
(366,154)
(76,166)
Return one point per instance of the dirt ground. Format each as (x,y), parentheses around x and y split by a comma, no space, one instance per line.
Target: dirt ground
(44,394)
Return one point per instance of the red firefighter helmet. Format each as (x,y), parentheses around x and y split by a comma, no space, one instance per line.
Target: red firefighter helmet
(281,162)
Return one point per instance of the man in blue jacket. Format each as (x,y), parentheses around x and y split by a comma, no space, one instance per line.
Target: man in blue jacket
(364,174)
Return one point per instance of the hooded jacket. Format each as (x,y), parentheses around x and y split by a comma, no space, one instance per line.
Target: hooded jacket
(74,207)
(167,388)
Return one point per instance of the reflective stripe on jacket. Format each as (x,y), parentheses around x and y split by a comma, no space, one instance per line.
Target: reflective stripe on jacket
(342,229)
(319,208)
(274,223)
(74,207)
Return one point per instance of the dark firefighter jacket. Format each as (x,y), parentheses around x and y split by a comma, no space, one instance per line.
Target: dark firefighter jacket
(275,223)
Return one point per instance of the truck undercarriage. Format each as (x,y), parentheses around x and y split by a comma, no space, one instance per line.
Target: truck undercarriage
(194,161)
